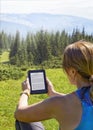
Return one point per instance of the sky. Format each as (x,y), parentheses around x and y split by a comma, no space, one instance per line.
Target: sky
(81,8)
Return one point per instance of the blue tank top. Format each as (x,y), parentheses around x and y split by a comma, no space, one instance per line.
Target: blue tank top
(86,122)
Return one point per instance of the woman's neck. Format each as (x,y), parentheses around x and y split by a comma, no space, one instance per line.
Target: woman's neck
(83,83)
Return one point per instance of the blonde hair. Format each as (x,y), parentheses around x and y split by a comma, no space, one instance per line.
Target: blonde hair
(79,55)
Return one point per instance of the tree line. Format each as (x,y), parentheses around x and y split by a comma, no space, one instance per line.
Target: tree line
(40,48)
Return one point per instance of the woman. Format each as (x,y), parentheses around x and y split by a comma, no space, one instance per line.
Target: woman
(73,111)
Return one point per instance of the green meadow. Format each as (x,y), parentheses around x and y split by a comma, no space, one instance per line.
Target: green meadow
(4,57)
(10,93)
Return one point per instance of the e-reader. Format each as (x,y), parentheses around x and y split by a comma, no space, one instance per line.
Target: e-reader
(37,80)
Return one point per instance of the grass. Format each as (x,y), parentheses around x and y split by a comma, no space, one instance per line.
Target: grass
(10,93)
(9,96)
(4,57)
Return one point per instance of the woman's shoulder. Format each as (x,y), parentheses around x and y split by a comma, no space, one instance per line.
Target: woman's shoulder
(64,103)
(68,106)
(66,99)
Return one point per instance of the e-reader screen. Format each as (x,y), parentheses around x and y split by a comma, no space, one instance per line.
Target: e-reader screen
(37,79)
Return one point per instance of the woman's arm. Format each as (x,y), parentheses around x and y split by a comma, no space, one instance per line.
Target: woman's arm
(36,112)
(40,111)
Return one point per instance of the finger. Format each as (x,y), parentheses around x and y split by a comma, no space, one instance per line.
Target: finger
(47,80)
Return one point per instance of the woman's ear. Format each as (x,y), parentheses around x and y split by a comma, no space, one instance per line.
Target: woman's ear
(71,72)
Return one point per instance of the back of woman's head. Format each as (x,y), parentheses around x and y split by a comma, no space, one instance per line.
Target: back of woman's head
(79,55)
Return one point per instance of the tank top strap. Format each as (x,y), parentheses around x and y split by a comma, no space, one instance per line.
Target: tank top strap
(84,96)
(86,122)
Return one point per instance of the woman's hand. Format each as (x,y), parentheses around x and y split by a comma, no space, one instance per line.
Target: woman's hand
(26,86)
(51,91)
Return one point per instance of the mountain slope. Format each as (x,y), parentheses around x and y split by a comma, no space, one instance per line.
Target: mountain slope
(24,23)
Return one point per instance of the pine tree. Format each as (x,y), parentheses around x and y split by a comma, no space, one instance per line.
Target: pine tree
(42,50)
(29,49)
(14,49)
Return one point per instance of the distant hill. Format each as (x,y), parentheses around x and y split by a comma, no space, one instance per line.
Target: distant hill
(24,23)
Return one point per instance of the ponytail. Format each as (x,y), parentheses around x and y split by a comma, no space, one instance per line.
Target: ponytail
(91,89)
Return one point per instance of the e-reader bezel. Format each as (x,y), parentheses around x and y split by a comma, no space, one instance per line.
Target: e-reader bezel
(41,91)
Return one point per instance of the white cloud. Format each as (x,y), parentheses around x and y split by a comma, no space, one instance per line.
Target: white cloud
(83,8)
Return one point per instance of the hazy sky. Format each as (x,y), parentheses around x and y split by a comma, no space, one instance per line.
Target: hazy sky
(82,8)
